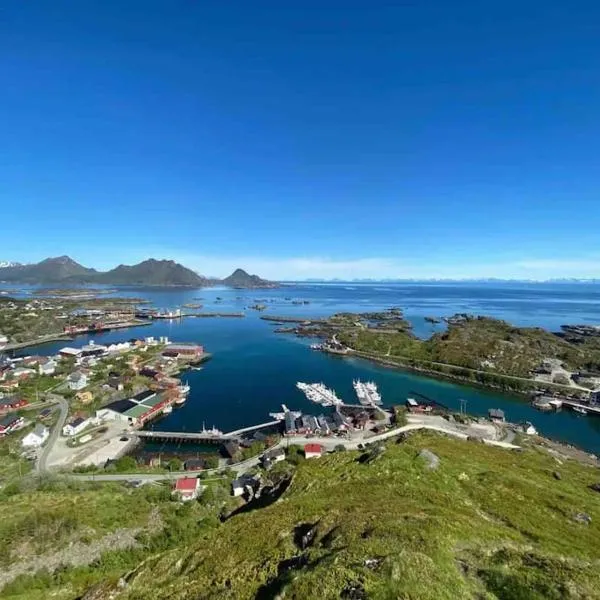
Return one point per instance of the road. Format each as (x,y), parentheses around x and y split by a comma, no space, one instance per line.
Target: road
(328,443)
(422,366)
(62,417)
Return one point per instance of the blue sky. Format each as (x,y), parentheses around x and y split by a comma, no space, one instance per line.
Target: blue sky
(303,138)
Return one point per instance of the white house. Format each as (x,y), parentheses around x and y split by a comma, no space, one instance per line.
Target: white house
(77,380)
(118,347)
(3,340)
(529,429)
(22,372)
(187,488)
(76,427)
(237,487)
(313,450)
(48,367)
(35,438)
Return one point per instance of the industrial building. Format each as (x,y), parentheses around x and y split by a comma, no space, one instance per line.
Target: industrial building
(135,411)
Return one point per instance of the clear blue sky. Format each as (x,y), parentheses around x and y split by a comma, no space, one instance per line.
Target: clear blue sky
(303,138)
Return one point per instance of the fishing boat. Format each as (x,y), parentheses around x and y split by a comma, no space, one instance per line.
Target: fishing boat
(367,393)
(184,390)
(319,393)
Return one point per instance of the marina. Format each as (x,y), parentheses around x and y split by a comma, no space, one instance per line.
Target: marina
(319,393)
(367,393)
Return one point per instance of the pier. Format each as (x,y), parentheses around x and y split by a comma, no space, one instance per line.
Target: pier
(152,316)
(183,436)
(238,432)
(592,410)
(277,319)
(200,437)
(236,315)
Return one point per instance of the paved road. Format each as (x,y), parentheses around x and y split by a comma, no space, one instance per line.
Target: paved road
(62,417)
(239,468)
(386,358)
(328,443)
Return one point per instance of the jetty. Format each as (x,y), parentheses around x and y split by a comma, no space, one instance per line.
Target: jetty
(201,437)
(280,319)
(236,315)
(589,409)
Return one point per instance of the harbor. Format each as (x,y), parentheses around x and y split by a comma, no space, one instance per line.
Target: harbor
(254,370)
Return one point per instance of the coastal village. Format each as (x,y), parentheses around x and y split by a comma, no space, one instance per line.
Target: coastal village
(86,414)
(87,408)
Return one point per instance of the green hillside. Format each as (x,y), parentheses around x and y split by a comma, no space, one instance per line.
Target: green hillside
(487,523)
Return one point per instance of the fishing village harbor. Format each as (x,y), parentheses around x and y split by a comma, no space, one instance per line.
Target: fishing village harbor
(220,414)
(104,408)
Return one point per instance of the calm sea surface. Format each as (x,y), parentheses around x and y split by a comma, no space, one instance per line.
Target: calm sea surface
(254,371)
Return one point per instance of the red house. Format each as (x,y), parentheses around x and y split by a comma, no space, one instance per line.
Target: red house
(187,488)
(313,451)
(12,403)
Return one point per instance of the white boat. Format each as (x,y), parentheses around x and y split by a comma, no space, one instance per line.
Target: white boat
(167,409)
(213,431)
(184,390)
(367,393)
(580,409)
(319,393)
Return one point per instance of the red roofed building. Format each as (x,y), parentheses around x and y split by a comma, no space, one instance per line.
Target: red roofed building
(187,488)
(12,403)
(313,450)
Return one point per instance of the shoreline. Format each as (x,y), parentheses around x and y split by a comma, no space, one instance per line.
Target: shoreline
(435,374)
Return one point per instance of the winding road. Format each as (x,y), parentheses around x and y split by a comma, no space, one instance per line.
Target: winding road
(328,443)
(40,466)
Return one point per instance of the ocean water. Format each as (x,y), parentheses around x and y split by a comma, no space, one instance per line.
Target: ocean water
(254,370)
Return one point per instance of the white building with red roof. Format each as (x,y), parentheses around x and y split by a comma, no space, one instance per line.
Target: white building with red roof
(187,488)
(313,450)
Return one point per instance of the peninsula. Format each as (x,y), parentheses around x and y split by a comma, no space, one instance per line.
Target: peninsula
(480,350)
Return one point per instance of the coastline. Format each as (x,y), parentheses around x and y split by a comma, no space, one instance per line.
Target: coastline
(435,374)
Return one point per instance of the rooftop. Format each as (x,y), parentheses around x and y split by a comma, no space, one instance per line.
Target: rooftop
(186,484)
(136,411)
(141,396)
(120,406)
(313,448)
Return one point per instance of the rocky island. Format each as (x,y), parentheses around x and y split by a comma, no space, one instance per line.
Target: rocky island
(475,349)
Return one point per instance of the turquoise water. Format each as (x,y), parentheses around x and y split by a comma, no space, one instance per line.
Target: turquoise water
(254,371)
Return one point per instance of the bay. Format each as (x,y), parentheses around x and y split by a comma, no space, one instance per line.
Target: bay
(253,370)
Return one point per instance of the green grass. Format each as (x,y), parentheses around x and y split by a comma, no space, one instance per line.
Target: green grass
(494,348)
(488,523)
(88,511)
(48,515)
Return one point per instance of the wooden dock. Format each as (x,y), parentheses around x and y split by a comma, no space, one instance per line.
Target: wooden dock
(201,437)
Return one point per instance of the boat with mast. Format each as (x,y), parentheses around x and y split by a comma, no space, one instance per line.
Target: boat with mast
(183,390)
(367,393)
(319,393)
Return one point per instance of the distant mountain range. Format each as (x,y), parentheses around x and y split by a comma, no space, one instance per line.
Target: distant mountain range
(64,270)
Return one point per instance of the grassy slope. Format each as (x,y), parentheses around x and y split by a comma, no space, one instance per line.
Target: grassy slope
(487,524)
(49,516)
(509,350)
